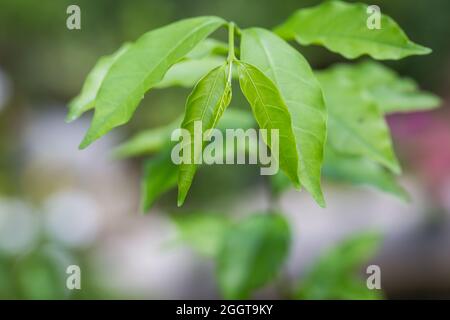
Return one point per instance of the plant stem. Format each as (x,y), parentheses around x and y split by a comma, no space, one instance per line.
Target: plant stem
(231,56)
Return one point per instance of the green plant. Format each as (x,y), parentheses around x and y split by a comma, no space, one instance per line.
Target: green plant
(331,119)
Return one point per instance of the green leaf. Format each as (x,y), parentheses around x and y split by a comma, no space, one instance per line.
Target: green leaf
(252,254)
(160,175)
(383,86)
(208,47)
(203,232)
(270,112)
(358,170)
(206,104)
(334,274)
(355,124)
(148,141)
(140,68)
(86,99)
(188,72)
(301,92)
(152,140)
(342,28)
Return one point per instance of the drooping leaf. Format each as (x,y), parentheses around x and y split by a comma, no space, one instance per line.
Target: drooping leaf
(204,232)
(358,170)
(355,124)
(252,254)
(160,175)
(140,68)
(301,92)
(270,112)
(390,92)
(342,28)
(335,273)
(188,72)
(205,104)
(86,99)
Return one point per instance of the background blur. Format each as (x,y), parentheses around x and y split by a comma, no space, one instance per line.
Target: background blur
(61,206)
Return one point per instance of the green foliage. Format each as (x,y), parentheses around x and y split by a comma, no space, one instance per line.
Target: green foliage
(356,126)
(160,175)
(140,68)
(270,112)
(86,99)
(342,27)
(335,274)
(206,104)
(203,232)
(358,170)
(302,95)
(252,254)
(333,118)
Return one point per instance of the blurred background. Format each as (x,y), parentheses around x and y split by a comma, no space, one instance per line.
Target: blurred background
(61,206)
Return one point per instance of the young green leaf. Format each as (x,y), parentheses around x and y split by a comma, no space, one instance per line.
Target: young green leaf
(355,124)
(203,232)
(252,254)
(160,175)
(301,92)
(206,103)
(343,28)
(188,72)
(358,170)
(334,275)
(86,99)
(270,112)
(140,68)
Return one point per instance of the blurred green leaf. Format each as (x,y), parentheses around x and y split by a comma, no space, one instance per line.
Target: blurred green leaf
(252,254)
(86,99)
(140,68)
(335,273)
(148,141)
(301,92)
(160,175)
(208,47)
(271,112)
(355,124)
(342,28)
(152,140)
(358,170)
(390,92)
(188,72)
(206,104)
(203,232)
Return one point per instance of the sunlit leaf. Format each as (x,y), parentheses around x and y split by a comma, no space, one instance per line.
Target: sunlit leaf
(86,99)
(342,28)
(302,94)
(252,254)
(206,104)
(140,68)
(271,112)
(208,47)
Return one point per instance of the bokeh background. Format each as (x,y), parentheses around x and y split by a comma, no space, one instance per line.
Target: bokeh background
(61,206)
